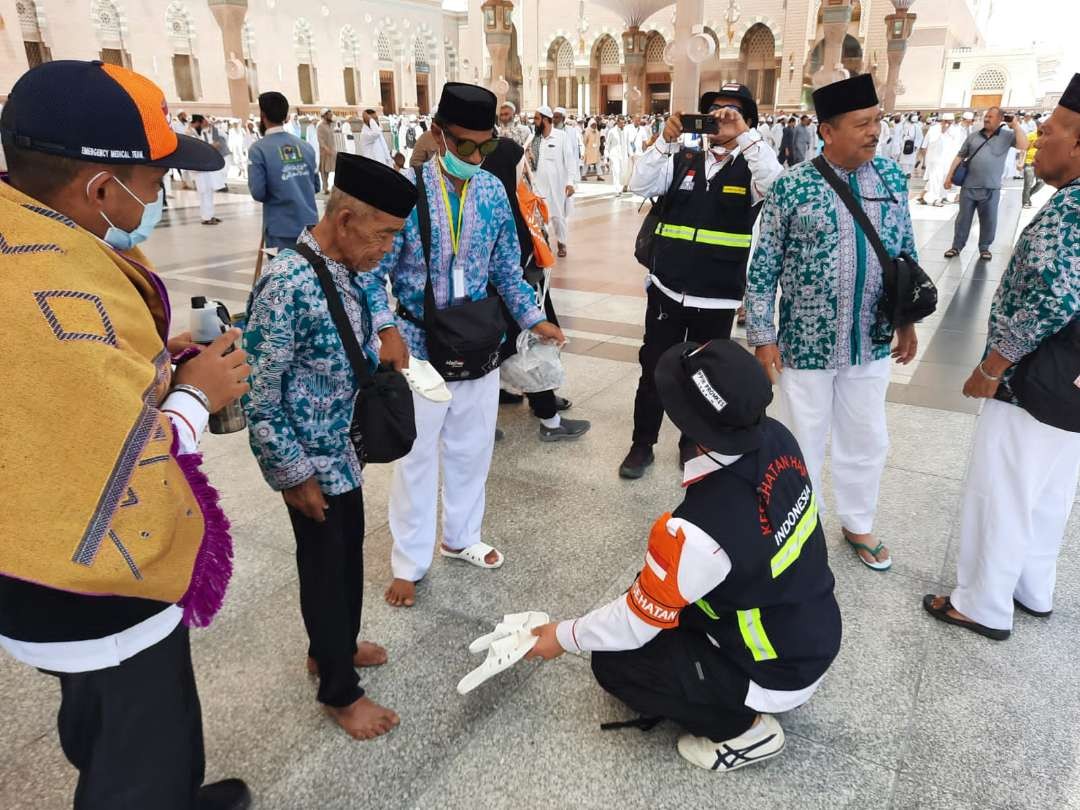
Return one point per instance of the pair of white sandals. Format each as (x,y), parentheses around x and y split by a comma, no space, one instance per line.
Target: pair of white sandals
(507,644)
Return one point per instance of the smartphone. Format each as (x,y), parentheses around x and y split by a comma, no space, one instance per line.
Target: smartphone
(694,124)
(1008,118)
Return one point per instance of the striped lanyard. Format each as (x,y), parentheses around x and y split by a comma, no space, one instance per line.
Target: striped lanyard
(455,232)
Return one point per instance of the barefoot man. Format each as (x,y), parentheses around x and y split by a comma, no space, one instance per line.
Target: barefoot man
(459,246)
(300,410)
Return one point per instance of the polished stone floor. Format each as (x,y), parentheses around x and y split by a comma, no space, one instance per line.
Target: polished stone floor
(912,715)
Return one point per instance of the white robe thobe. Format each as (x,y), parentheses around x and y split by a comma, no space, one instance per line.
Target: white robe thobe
(372,143)
(617,151)
(941,148)
(556,168)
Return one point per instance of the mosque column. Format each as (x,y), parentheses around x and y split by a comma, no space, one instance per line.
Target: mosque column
(836,15)
(686,73)
(230,18)
(898,28)
(634,70)
(498,17)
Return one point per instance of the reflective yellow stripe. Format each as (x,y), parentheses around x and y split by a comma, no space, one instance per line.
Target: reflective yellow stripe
(676,231)
(735,189)
(736,240)
(689,234)
(789,552)
(706,608)
(753,635)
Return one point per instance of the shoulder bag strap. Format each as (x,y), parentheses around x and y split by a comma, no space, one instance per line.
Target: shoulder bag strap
(423,221)
(971,157)
(357,359)
(844,191)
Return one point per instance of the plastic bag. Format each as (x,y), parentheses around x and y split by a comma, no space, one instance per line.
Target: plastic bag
(537,366)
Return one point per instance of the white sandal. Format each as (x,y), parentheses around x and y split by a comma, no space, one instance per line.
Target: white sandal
(509,643)
(474,554)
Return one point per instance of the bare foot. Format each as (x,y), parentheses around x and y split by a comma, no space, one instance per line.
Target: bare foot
(364,719)
(401,593)
(367,655)
(490,558)
(867,540)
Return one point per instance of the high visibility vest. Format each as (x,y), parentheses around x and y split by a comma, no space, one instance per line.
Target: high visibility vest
(774,615)
(702,244)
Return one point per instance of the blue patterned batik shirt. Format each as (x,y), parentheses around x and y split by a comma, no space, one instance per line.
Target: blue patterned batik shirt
(488,251)
(829,276)
(1039,294)
(302,386)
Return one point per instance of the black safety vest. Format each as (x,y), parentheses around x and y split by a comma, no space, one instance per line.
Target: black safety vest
(774,615)
(703,242)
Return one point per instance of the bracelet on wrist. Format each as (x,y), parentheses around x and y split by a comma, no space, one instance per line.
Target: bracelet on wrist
(987,375)
(195,393)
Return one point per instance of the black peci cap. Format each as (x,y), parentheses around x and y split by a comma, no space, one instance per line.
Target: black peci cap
(374,183)
(847,95)
(467,105)
(1070,99)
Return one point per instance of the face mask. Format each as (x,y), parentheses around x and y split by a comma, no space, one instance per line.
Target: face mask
(126,240)
(455,166)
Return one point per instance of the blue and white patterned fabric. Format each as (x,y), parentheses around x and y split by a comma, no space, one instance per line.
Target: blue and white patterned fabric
(300,405)
(488,248)
(828,273)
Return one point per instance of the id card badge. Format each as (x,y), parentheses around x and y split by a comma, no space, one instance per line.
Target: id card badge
(688,181)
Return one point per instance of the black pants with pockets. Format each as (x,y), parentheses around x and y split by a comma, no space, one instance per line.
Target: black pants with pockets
(679,676)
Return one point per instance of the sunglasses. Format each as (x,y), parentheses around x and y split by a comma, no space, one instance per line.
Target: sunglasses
(465,147)
(717,107)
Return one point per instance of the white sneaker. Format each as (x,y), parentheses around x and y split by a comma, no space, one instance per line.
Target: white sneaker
(762,741)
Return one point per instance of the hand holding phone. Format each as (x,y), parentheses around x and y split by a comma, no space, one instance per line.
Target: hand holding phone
(694,124)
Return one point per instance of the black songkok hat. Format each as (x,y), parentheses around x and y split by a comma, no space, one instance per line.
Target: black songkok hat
(856,93)
(374,183)
(468,106)
(1070,100)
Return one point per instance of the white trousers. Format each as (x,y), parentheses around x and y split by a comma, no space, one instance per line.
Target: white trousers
(462,432)
(204,185)
(851,403)
(935,181)
(1020,487)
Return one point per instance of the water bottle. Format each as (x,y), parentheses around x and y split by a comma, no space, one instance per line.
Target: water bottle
(210,320)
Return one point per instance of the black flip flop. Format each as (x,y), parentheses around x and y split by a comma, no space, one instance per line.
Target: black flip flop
(1038,614)
(952,253)
(942,614)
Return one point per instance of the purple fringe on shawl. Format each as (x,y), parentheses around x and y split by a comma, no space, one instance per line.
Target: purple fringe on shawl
(213,564)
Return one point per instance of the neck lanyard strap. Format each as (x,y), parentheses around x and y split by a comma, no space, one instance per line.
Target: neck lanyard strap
(455,232)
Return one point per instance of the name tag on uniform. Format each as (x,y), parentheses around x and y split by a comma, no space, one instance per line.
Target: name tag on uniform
(688,182)
(551,146)
(735,190)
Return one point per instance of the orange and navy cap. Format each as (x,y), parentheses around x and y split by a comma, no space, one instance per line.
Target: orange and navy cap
(99,113)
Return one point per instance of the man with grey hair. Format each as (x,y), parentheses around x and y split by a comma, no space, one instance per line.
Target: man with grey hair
(984,153)
(303,394)
(510,127)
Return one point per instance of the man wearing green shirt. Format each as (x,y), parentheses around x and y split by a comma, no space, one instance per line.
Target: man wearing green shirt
(1022,474)
(831,353)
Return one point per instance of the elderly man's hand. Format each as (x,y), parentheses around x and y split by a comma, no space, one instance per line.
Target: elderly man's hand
(392,349)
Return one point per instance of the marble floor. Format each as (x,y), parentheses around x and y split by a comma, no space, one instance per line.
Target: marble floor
(913,714)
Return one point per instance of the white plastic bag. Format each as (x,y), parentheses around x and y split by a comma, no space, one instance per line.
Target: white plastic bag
(537,366)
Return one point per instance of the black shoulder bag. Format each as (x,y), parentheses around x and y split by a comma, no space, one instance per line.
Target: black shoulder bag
(646,238)
(1047,381)
(961,172)
(383,425)
(908,295)
(463,340)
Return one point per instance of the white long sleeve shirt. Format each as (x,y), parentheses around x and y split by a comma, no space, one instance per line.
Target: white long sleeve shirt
(655,170)
(702,566)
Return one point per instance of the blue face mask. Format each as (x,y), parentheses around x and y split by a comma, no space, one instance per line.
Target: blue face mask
(455,166)
(126,240)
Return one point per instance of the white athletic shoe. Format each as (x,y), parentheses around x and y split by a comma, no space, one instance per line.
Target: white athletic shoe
(762,741)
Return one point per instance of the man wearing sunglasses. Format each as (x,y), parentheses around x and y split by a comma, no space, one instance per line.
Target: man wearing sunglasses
(697,272)
(473,247)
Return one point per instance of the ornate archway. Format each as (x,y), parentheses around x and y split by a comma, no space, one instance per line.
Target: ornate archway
(605,76)
(759,65)
(988,88)
(657,74)
(562,91)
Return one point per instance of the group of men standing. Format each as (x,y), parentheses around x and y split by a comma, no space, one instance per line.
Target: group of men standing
(732,618)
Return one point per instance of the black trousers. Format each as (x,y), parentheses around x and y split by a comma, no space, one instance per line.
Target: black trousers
(679,676)
(330,561)
(134,731)
(667,323)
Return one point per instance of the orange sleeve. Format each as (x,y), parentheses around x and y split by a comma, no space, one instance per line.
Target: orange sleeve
(654,597)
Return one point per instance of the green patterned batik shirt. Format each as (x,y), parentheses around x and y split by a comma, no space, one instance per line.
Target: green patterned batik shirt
(827,271)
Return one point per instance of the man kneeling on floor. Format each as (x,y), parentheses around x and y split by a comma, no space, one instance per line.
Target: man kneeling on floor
(732,618)
(303,390)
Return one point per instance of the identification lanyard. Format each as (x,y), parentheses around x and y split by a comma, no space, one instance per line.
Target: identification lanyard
(455,231)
